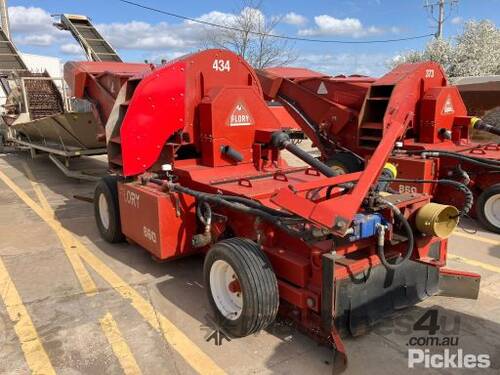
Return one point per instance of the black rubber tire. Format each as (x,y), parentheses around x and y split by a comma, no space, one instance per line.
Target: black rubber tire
(345,162)
(481,201)
(108,187)
(258,284)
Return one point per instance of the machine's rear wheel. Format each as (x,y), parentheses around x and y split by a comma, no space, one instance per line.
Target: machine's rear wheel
(106,209)
(345,162)
(488,208)
(241,286)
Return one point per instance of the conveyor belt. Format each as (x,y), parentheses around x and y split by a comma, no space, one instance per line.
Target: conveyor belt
(9,56)
(10,61)
(95,46)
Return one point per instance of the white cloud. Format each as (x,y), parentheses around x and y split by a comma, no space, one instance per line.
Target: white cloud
(71,49)
(29,19)
(36,40)
(138,35)
(328,25)
(295,19)
(142,35)
(219,18)
(33,26)
(457,20)
(370,64)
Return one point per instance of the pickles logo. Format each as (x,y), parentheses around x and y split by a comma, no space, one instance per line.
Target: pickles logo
(439,347)
(240,116)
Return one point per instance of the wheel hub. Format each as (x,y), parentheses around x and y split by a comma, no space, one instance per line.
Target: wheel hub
(104,211)
(492,210)
(226,290)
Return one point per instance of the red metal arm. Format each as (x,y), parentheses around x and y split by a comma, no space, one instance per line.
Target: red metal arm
(407,83)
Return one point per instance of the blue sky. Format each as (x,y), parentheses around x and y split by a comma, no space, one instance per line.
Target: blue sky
(140,34)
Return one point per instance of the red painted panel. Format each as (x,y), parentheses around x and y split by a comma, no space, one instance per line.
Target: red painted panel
(76,72)
(150,218)
(155,113)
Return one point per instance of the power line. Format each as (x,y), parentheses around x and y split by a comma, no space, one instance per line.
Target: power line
(287,37)
(441,4)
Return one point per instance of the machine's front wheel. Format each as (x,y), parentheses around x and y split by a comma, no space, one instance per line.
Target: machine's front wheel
(106,209)
(241,286)
(488,208)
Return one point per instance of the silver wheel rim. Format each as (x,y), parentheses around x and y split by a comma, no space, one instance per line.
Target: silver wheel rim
(492,210)
(104,211)
(224,286)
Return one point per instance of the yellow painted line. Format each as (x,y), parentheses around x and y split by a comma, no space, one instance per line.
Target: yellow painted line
(477,238)
(473,262)
(36,357)
(196,358)
(66,238)
(119,346)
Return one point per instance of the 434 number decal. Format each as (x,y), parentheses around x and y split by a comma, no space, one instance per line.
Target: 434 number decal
(221,65)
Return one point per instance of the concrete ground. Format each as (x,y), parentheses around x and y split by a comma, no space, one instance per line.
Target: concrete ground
(74,304)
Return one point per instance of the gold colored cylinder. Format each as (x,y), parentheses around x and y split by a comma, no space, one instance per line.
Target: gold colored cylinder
(437,219)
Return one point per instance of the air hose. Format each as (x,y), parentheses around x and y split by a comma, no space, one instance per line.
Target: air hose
(409,232)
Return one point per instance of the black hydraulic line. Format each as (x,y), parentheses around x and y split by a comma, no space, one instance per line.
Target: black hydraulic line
(257,205)
(468,196)
(411,239)
(237,206)
(486,163)
(470,158)
(204,212)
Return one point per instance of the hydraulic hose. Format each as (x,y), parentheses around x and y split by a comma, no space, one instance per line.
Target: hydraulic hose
(240,206)
(468,196)
(486,163)
(410,244)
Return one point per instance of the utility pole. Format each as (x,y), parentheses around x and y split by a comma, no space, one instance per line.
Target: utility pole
(440,19)
(4,16)
(441,12)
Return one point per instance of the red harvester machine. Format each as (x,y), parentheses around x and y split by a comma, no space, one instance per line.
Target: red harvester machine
(348,118)
(197,156)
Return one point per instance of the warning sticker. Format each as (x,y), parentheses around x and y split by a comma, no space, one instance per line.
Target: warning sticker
(240,116)
(448,106)
(322,89)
